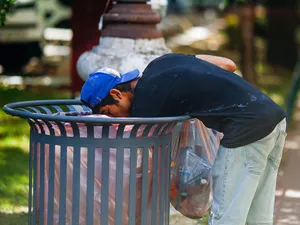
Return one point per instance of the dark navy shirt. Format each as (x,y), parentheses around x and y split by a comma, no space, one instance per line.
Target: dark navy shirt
(177,84)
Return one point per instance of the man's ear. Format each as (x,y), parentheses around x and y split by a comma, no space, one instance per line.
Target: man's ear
(116,94)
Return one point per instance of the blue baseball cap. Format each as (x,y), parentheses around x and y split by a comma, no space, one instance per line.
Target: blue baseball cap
(98,84)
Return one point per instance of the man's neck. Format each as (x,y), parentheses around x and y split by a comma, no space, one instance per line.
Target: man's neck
(133,84)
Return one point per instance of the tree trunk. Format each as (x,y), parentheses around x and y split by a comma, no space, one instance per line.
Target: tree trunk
(281,38)
(85,19)
(293,92)
(247,18)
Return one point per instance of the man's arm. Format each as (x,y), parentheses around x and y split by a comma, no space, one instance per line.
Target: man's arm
(222,62)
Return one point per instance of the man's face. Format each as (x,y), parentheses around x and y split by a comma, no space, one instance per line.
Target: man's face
(121,108)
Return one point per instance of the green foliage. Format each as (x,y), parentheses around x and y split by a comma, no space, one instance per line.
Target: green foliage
(234,2)
(5,6)
(14,153)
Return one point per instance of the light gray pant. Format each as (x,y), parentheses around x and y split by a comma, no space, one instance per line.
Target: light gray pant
(245,181)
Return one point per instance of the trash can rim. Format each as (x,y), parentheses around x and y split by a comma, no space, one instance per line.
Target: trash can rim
(11,109)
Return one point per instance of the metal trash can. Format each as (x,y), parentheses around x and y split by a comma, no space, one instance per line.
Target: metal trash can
(91,170)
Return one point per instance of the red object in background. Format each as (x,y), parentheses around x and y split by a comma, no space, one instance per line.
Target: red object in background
(174,191)
(85,18)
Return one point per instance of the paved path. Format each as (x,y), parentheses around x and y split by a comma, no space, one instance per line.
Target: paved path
(287,208)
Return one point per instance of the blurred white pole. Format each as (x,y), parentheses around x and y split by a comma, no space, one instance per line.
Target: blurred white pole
(127,44)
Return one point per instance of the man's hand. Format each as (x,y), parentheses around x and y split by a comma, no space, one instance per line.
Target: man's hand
(222,62)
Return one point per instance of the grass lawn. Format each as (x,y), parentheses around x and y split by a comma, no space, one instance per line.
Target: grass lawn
(14,147)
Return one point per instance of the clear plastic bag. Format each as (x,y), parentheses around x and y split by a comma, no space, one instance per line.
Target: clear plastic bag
(194,151)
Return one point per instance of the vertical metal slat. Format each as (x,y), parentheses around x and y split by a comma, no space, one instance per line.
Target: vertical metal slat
(119,187)
(51,183)
(76,186)
(63,181)
(34,180)
(132,186)
(163,178)
(154,186)
(42,183)
(104,186)
(31,146)
(168,163)
(90,178)
(90,186)
(145,190)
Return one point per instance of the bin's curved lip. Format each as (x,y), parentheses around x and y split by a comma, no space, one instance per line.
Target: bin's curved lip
(11,110)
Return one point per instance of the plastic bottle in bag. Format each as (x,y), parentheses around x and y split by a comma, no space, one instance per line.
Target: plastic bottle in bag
(192,187)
